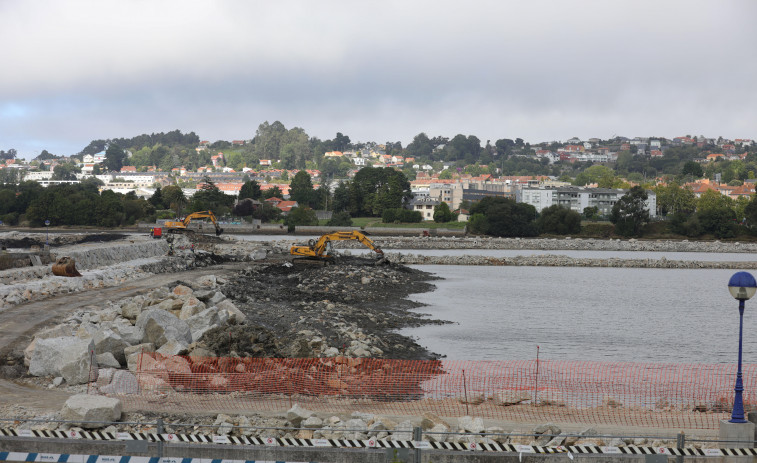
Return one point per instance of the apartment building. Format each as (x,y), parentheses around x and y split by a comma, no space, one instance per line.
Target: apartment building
(578,198)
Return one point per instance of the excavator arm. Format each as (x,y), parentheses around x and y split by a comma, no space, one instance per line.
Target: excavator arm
(320,250)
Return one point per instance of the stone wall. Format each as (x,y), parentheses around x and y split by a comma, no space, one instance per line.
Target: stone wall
(97,255)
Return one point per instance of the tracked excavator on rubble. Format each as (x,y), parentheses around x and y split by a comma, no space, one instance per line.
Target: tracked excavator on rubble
(181,226)
(320,251)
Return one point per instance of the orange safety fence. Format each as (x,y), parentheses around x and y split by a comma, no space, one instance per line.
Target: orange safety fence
(678,396)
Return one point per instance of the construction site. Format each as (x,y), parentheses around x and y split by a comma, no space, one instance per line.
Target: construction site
(203,334)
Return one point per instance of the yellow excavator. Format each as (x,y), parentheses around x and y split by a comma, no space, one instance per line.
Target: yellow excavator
(181,226)
(320,251)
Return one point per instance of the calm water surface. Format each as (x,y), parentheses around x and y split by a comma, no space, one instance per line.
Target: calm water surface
(608,314)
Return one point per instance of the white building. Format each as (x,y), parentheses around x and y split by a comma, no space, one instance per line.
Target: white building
(579,198)
(38,176)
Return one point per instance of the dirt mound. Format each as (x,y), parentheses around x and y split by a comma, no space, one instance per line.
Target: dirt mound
(242,341)
(314,309)
(20,243)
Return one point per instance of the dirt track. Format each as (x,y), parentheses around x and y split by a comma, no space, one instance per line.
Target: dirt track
(18,324)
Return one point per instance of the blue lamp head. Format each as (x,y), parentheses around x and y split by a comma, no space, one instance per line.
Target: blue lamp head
(742,286)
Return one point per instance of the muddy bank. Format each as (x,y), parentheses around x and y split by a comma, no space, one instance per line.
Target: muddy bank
(352,309)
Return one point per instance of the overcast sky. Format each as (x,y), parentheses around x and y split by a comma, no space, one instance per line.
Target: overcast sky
(74,71)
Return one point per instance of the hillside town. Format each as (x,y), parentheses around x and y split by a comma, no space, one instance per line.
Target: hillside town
(433,182)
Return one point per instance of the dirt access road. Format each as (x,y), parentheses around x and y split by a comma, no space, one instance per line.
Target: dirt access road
(18,324)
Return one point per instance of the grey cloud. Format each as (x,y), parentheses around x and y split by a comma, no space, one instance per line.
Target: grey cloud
(539,70)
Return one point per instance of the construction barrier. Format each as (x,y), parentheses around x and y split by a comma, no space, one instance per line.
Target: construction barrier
(677,396)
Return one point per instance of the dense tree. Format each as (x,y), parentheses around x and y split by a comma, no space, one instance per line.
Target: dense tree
(712,199)
(157,198)
(274,192)
(10,154)
(341,199)
(300,216)
(266,212)
(505,217)
(750,212)
(340,219)
(244,207)
(250,189)
(693,169)
(401,215)
(674,198)
(301,189)
(442,214)
(81,204)
(630,213)
(45,155)
(420,147)
(478,224)
(174,198)
(267,141)
(9,175)
(114,158)
(65,171)
(462,148)
(591,213)
(559,220)
(341,142)
(210,198)
(603,176)
(321,198)
(374,189)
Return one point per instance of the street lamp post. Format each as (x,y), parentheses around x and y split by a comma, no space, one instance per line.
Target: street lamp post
(742,286)
(47,232)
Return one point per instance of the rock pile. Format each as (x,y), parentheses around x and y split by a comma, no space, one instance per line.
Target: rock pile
(551,260)
(168,321)
(547,244)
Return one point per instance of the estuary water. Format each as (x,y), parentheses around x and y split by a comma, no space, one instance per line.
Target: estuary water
(578,313)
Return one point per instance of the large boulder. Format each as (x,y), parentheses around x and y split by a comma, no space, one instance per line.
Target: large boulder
(131,309)
(159,326)
(107,340)
(134,355)
(192,306)
(168,305)
(68,356)
(128,332)
(182,290)
(57,331)
(296,415)
(78,364)
(107,360)
(202,322)
(86,409)
(123,382)
(470,424)
(235,315)
(173,347)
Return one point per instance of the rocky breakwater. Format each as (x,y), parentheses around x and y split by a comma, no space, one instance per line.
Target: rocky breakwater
(547,244)
(551,260)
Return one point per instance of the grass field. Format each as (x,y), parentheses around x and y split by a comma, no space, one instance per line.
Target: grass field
(368,222)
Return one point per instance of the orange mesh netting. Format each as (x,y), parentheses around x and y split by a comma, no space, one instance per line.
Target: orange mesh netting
(631,394)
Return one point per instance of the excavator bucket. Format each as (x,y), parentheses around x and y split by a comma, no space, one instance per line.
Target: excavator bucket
(219,231)
(65,267)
